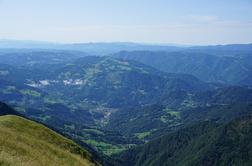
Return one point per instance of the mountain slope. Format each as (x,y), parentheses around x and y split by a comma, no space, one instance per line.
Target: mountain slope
(234,70)
(117,83)
(87,97)
(104,80)
(148,122)
(225,95)
(24,142)
(205,143)
(6,110)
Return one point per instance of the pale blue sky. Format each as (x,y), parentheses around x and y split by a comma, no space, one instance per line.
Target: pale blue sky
(148,21)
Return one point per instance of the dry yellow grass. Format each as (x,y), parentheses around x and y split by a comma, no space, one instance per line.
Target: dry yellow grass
(26,143)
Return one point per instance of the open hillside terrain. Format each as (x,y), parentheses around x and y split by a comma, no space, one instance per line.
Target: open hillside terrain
(110,105)
(24,142)
(126,83)
(79,97)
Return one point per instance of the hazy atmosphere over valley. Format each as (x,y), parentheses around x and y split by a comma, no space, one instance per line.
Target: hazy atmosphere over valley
(125,83)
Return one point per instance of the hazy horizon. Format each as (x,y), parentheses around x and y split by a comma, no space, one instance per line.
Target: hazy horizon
(27,41)
(149,22)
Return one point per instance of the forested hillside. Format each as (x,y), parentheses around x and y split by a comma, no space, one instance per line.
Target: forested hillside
(205,143)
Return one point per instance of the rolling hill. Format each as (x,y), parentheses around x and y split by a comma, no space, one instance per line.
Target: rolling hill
(24,142)
(229,69)
(117,83)
(102,80)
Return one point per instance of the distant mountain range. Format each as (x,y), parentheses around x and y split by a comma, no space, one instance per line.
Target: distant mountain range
(97,49)
(100,48)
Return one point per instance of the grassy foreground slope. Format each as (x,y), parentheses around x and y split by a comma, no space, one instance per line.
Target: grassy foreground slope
(24,142)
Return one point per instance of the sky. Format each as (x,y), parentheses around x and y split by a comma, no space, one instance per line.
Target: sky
(194,22)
